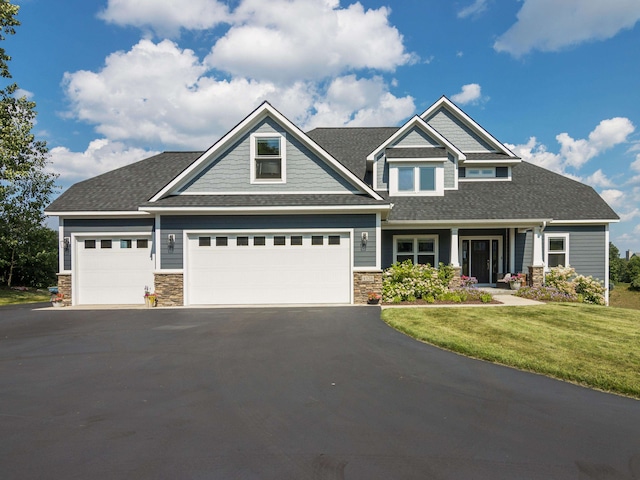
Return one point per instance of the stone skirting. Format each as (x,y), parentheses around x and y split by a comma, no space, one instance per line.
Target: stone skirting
(169,288)
(536,276)
(456,280)
(64,287)
(365,282)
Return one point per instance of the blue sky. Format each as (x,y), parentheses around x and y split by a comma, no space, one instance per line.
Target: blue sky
(116,81)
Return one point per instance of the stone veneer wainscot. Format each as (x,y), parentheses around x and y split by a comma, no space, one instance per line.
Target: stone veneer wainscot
(365,282)
(169,288)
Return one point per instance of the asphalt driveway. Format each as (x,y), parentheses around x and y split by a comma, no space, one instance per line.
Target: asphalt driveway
(294,393)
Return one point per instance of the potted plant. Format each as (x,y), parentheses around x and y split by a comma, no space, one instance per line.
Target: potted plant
(150,299)
(57,299)
(515,281)
(373,298)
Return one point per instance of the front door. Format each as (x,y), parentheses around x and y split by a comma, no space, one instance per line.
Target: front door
(480,260)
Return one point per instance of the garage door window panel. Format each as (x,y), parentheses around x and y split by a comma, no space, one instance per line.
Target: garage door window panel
(204,241)
(90,244)
(105,243)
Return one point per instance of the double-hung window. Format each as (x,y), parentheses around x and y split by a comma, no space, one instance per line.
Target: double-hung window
(268,158)
(420,250)
(557,250)
(416,178)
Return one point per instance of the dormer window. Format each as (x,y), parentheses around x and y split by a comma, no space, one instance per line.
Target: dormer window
(268,158)
(416,178)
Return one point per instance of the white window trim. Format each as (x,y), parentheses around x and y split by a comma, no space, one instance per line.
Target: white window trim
(283,158)
(415,239)
(393,178)
(547,239)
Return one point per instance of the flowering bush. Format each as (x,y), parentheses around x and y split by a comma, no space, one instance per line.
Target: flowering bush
(546,294)
(562,285)
(407,282)
(468,282)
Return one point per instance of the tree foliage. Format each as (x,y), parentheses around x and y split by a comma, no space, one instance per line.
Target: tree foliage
(26,247)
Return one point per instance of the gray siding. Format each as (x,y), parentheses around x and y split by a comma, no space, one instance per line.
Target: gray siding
(363,257)
(587,249)
(444,244)
(416,138)
(523,252)
(457,132)
(450,172)
(305,172)
(382,173)
(109,225)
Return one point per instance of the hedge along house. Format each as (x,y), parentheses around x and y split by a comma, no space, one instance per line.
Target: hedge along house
(273,215)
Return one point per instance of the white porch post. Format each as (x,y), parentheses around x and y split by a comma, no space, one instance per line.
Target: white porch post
(512,250)
(537,260)
(455,255)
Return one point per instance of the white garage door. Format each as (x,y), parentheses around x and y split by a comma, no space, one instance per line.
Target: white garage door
(273,268)
(113,270)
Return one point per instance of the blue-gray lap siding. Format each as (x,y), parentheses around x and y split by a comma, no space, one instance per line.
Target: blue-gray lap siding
(457,132)
(587,249)
(109,226)
(176,225)
(305,171)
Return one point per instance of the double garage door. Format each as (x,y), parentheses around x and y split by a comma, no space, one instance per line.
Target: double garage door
(113,270)
(268,268)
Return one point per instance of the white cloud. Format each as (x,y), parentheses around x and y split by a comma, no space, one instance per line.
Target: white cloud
(576,153)
(470,94)
(598,179)
(551,25)
(101,156)
(630,215)
(160,94)
(21,92)
(635,165)
(284,40)
(165,17)
(613,197)
(473,10)
(354,102)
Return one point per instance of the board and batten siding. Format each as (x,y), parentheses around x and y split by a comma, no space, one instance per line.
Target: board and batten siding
(176,225)
(457,132)
(107,225)
(230,172)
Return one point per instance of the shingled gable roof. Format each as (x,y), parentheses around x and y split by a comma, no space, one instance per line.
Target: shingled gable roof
(263,111)
(123,189)
(533,193)
(444,103)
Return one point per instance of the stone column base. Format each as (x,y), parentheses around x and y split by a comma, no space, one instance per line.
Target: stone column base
(365,282)
(169,288)
(536,276)
(456,280)
(64,287)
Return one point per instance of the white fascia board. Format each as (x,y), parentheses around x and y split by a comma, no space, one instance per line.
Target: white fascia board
(453,108)
(583,222)
(417,121)
(417,160)
(97,214)
(491,163)
(263,111)
(269,209)
(515,222)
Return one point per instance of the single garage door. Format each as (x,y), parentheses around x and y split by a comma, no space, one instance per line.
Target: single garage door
(113,270)
(269,268)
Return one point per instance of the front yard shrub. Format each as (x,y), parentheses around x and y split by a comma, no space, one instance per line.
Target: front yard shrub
(408,282)
(635,283)
(584,289)
(546,294)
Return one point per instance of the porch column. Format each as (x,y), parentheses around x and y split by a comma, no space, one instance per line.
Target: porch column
(454,259)
(536,269)
(455,255)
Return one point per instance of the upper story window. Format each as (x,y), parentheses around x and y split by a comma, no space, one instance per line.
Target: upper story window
(467,173)
(416,178)
(268,158)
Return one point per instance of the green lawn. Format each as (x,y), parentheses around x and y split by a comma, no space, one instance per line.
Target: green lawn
(11,297)
(622,297)
(594,346)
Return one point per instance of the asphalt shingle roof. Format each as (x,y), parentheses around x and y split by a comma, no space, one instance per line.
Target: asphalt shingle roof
(534,192)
